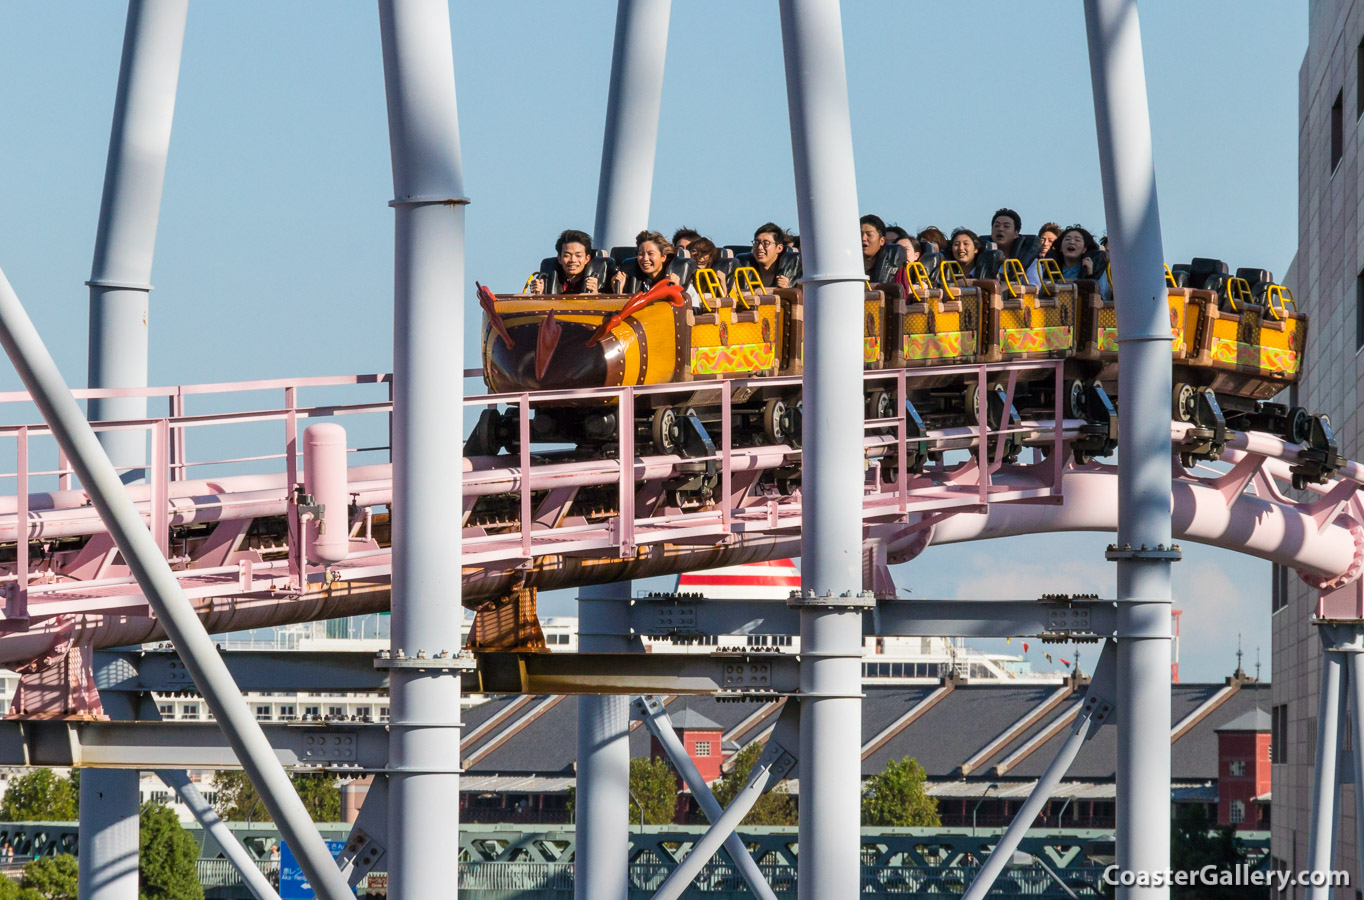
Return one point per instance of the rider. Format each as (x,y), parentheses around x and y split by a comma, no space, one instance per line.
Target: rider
(777,265)
(574,270)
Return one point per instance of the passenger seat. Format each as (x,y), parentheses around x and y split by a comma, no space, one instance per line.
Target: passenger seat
(1259,281)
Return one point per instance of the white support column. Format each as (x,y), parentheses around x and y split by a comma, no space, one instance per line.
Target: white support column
(134,174)
(632,111)
(120,279)
(1144,550)
(107,841)
(831,598)
(1331,706)
(624,190)
(602,813)
(428,312)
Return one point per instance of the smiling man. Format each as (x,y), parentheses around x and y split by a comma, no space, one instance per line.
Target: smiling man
(573,271)
(777,265)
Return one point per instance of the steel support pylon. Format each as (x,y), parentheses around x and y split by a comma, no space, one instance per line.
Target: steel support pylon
(624,190)
(632,109)
(120,279)
(831,600)
(601,820)
(1339,691)
(1144,550)
(428,313)
(134,175)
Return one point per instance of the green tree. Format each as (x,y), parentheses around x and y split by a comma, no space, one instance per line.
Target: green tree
(11,890)
(896,797)
(39,796)
(168,867)
(1196,842)
(654,785)
(773,808)
(52,877)
(321,794)
(238,800)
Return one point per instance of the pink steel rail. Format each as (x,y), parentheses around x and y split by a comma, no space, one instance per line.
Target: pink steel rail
(978,495)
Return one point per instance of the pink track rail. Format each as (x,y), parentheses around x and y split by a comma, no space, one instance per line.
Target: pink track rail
(973,494)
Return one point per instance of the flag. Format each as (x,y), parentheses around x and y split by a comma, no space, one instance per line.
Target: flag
(1025,646)
(1064,661)
(1048,656)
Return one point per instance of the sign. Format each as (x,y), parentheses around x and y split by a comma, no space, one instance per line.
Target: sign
(293,884)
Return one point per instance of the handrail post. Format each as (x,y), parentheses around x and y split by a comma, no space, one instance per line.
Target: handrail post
(18,608)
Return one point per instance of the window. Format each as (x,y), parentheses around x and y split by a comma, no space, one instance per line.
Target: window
(1237,768)
(1278,734)
(1359,312)
(286,712)
(262,714)
(362,712)
(167,710)
(336,711)
(1337,130)
(189,711)
(1278,590)
(160,797)
(1359,79)
(1238,812)
(312,711)
(383,714)
(703,748)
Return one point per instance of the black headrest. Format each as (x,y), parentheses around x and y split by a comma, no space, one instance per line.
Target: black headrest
(1026,249)
(683,267)
(1256,276)
(1099,259)
(621,254)
(1202,268)
(683,253)
(549,264)
(725,264)
(890,260)
(725,253)
(736,249)
(987,244)
(1181,273)
(988,262)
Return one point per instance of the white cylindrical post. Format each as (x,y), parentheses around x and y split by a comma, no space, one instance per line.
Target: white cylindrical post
(134,174)
(428,312)
(1331,702)
(632,110)
(602,815)
(120,279)
(1354,676)
(624,190)
(1143,551)
(833,466)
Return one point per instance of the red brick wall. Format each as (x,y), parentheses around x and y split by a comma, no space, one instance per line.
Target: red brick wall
(1250,749)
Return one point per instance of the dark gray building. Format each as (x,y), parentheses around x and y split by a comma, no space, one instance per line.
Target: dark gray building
(1328,278)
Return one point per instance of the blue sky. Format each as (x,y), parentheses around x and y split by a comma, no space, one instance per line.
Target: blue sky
(274,255)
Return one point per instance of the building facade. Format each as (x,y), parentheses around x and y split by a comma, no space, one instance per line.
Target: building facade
(1328,279)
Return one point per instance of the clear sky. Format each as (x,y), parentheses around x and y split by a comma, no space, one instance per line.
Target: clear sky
(274,255)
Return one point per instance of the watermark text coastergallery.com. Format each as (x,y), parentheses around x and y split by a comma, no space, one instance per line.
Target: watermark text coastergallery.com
(1214,876)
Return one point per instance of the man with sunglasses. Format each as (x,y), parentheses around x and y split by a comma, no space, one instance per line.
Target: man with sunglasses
(778,266)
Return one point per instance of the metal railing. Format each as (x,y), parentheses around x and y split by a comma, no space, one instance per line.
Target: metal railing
(722,881)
